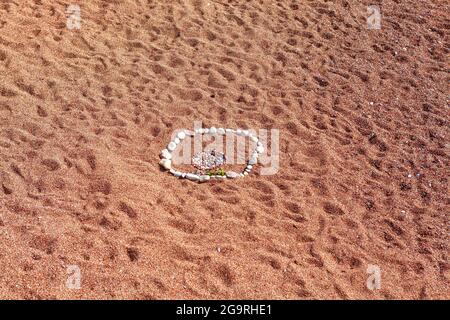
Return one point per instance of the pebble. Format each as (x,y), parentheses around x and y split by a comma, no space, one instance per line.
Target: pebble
(177,141)
(254,139)
(181,135)
(253,160)
(232,174)
(249,167)
(166,154)
(178,174)
(204,178)
(221,131)
(172,146)
(260,149)
(213,130)
(166,164)
(192,177)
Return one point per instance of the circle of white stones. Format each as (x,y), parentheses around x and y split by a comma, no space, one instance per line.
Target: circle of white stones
(166,154)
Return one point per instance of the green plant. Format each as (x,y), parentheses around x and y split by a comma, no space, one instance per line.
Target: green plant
(217,172)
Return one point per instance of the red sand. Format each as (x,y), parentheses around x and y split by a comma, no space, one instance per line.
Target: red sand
(84,114)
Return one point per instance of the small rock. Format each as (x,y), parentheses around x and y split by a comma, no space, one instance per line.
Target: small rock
(260,149)
(221,131)
(213,130)
(249,167)
(254,139)
(232,174)
(166,154)
(204,178)
(172,146)
(181,135)
(178,174)
(253,160)
(192,177)
(166,164)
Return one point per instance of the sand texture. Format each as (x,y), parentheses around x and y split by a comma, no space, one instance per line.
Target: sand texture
(364,163)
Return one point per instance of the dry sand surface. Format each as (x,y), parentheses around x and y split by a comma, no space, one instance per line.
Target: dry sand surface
(363,120)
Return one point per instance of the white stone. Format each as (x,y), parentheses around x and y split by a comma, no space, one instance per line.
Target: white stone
(249,167)
(254,139)
(166,154)
(232,174)
(221,131)
(204,178)
(172,146)
(260,149)
(245,173)
(213,130)
(228,130)
(181,135)
(177,141)
(178,174)
(166,164)
(245,133)
(253,160)
(259,144)
(217,177)
(205,130)
(192,177)
(239,132)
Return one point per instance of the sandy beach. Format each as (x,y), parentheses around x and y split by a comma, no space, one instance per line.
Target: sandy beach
(363,123)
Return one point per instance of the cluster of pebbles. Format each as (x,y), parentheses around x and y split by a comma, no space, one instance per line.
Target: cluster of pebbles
(211,159)
(207,160)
